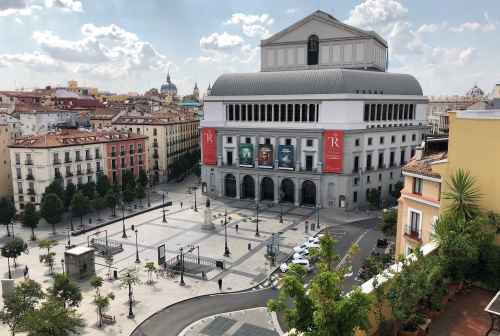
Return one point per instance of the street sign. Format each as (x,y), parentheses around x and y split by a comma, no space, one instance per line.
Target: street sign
(161,254)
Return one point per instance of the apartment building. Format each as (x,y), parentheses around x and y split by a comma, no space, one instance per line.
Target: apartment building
(427,174)
(73,156)
(168,138)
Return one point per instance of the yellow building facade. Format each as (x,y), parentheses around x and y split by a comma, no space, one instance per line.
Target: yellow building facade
(473,145)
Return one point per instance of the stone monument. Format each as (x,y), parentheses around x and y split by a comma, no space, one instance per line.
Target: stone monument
(208,224)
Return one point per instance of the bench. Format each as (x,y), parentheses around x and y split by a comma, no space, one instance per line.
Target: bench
(108,319)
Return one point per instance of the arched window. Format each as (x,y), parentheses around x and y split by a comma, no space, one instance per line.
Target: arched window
(313,50)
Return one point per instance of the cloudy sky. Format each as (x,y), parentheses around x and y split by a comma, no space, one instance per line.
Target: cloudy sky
(128,45)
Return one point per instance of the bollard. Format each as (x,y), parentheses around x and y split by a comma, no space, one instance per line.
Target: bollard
(115,274)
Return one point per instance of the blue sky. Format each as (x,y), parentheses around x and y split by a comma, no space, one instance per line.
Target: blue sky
(125,45)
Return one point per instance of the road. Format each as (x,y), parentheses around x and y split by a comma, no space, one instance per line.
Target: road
(172,320)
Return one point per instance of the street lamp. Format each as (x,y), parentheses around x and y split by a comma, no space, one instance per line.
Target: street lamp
(150,185)
(317,216)
(226,248)
(182,283)
(124,235)
(163,206)
(195,206)
(130,312)
(62,264)
(137,261)
(257,234)
(281,214)
(8,264)
(69,237)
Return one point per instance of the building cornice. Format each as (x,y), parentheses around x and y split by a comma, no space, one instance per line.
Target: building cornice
(423,177)
(319,97)
(420,199)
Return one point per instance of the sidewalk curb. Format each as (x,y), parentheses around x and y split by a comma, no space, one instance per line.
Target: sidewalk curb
(118,219)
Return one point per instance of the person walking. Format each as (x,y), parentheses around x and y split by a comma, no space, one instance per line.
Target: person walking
(181,204)
(236,227)
(26,271)
(220,284)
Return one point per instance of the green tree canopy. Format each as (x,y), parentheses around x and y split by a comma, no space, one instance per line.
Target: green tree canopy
(22,301)
(142,179)
(31,218)
(129,193)
(111,201)
(7,211)
(68,194)
(140,192)
(102,185)
(52,209)
(53,319)
(88,190)
(80,205)
(389,222)
(56,187)
(14,248)
(65,290)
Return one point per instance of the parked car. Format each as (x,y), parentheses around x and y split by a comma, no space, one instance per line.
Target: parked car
(301,255)
(303,262)
(301,248)
(283,268)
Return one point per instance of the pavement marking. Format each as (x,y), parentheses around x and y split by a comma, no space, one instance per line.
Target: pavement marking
(344,258)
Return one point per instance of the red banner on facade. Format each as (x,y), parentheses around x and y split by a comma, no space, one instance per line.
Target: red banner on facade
(209,143)
(333,151)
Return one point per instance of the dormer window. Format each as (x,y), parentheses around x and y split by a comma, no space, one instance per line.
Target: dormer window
(313,50)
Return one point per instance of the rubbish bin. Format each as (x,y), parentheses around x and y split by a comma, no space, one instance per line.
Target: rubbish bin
(115,274)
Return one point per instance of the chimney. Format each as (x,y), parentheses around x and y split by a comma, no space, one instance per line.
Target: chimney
(419,153)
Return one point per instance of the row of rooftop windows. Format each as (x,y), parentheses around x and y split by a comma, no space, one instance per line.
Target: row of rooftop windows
(272,112)
(389,112)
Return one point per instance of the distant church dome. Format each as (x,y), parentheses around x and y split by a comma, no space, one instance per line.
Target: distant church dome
(169,88)
(475,92)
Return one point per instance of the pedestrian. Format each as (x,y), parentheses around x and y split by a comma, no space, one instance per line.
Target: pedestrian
(249,246)
(181,204)
(236,227)
(26,272)
(220,283)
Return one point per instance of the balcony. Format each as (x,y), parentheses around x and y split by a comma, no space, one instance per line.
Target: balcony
(122,153)
(31,191)
(28,162)
(69,174)
(56,162)
(18,162)
(21,191)
(139,150)
(113,154)
(140,162)
(99,171)
(88,157)
(57,175)
(369,168)
(19,177)
(90,171)
(155,167)
(77,159)
(79,172)
(414,235)
(67,160)
(156,155)
(132,152)
(155,144)
(30,177)
(98,156)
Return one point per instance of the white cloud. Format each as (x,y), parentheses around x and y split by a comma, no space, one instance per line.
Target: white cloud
(69,5)
(291,11)
(474,27)
(34,61)
(17,8)
(432,27)
(252,25)
(372,13)
(223,41)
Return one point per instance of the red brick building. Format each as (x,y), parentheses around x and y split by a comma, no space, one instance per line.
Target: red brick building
(125,152)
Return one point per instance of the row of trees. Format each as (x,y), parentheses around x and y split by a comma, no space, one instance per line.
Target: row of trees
(188,163)
(374,196)
(80,200)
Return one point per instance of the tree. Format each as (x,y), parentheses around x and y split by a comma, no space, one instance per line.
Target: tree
(80,205)
(22,301)
(109,264)
(111,201)
(88,190)
(48,258)
(96,282)
(140,193)
(389,222)
(68,194)
(102,304)
(128,180)
(142,179)
(373,197)
(463,195)
(396,192)
(150,268)
(14,248)
(31,218)
(102,185)
(7,212)
(65,290)
(323,310)
(56,187)
(129,281)
(98,204)
(129,193)
(52,209)
(52,319)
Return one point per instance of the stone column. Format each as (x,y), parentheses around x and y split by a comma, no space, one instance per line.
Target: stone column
(298,187)
(257,187)
(276,190)
(236,156)
(238,185)
(298,153)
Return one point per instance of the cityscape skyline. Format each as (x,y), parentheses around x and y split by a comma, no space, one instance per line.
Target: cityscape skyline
(108,45)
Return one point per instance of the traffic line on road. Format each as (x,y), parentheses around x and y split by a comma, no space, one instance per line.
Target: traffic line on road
(344,258)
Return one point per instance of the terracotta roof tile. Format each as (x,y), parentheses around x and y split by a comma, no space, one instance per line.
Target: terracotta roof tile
(424,165)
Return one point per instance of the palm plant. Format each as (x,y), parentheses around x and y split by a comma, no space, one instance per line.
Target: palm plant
(463,195)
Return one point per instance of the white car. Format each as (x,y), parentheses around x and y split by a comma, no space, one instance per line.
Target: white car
(312,240)
(283,268)
(301,255)
(303,262)
(301,248)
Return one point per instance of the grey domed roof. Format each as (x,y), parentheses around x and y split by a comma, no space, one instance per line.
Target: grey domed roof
(475,92)
(327,81)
